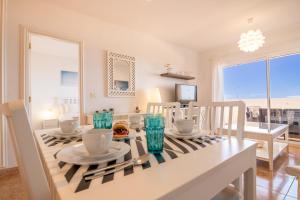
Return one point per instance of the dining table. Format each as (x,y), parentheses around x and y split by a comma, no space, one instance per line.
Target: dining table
(186,169)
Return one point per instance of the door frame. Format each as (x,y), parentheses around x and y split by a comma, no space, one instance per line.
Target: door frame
(3,133)
(24,67)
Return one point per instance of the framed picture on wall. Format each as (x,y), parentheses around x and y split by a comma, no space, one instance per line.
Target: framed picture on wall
(69,78)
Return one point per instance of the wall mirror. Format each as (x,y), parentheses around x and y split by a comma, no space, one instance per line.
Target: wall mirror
(121,75)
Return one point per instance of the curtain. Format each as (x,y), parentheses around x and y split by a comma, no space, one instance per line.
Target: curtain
(217,87)
(217,82)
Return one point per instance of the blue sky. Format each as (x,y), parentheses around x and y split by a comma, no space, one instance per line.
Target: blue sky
(248,81)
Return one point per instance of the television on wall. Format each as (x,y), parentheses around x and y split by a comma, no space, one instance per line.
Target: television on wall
(185,93)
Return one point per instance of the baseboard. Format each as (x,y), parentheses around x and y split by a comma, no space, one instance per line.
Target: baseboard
(7,171)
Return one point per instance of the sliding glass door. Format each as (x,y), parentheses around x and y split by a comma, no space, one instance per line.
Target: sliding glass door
(276,79)
(248,82)
(285,92)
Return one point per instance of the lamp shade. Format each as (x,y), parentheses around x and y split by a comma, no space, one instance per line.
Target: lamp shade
(251,41)
(153,95)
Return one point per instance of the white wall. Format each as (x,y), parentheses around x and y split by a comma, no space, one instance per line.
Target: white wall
(151,53)
(204,80)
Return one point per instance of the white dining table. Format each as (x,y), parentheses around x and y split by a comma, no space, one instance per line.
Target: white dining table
(207,168)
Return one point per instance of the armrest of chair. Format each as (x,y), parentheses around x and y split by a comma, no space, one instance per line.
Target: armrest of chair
(293,170)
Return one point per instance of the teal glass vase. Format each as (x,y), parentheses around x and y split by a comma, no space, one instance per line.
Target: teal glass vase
(155,126)
(102,120)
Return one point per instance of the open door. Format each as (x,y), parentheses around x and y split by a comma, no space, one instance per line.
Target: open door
(53,80)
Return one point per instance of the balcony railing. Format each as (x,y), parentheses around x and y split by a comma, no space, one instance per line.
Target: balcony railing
(277,116)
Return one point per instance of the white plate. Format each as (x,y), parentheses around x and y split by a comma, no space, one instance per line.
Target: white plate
(174,133)
(80,150)
(77,154)
(60,134)
(131,135)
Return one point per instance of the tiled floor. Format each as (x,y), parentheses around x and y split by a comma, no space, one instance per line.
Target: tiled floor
(270,186)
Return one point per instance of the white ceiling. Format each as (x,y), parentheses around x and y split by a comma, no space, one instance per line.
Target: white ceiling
(198,24)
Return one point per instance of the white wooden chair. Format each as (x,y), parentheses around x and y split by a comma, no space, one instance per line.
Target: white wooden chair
(27,154)
(200,113)
(219,117)
(294,170)
(170,110)
(215,118)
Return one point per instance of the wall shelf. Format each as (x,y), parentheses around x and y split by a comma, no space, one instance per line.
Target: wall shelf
(178,76)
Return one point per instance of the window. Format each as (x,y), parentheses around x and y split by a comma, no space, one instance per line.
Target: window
(248,82)
(285,76)
(285,92)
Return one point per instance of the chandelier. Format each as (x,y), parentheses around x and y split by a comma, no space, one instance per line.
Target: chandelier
(251,41)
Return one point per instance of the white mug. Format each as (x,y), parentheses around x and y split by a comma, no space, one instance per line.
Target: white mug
(97,141)
(69,126)
(134,119)
(184,126)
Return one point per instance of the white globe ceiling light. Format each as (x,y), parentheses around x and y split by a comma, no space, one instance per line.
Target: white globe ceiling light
(251,41)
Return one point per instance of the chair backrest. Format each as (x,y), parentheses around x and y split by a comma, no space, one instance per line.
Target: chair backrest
(218,117)
(170,110)
(27,154)
(200,113)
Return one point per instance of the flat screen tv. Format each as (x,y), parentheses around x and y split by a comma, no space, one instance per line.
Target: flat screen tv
(185,93)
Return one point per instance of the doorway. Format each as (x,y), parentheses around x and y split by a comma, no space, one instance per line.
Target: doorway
(3,136)
(53,80)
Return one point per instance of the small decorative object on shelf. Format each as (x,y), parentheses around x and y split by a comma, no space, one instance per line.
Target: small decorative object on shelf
(137,109)
(169,69)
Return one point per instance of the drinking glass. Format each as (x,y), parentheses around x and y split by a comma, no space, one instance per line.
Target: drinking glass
(155,126)
(102,120)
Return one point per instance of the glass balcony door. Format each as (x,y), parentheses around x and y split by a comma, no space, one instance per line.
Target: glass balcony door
(271,90)
(248,82)
(285,92)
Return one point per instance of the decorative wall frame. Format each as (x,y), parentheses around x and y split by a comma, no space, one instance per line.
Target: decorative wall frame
(120,75)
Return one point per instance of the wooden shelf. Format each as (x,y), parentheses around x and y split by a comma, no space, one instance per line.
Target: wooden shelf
(178,76)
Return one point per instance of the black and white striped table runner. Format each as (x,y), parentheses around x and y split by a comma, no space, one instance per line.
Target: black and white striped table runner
(73,173)
(52,141)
